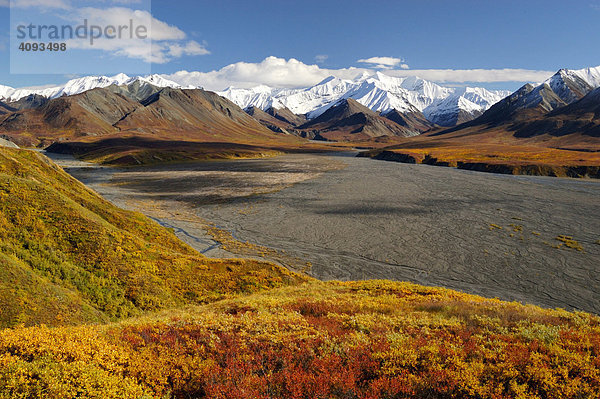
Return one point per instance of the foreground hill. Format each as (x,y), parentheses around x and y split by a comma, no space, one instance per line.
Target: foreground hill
(67,256)
(372,339)
(240,328)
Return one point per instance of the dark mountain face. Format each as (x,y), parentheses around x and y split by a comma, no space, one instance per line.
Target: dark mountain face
(352,121)
(270,121)
(526,102)
(5,108)
(579,118)
(287,116)
(413,121)
(29,102)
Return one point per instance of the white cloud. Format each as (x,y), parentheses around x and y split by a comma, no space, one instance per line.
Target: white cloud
(272,71)
(475,75)
(321,58)
(190,48)
(279,72)
(58,4)
(384,62)
(164,42)
(44,4)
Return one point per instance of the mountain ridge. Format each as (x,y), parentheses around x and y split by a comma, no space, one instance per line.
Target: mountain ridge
(350,120)
(526,112)
(379,92)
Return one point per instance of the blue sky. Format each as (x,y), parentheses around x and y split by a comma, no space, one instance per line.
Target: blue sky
(467,39)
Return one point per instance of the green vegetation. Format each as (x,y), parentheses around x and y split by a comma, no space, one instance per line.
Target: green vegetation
(68,256)
(372,339)
(73,267)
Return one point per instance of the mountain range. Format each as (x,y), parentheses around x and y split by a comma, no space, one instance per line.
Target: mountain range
(83,84)
(427,101)
(381,93)
(367,107)
(134,108)
(565,108)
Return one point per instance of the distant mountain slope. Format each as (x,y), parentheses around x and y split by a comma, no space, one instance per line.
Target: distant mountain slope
(115,109)
(280,120)
(196,112)
(93,112)
(80,85)
(5,108)
(581,117)
(378,92)
(286,115)
(558,107)
(350,120)
(413,121)
(68,256)
(271,122)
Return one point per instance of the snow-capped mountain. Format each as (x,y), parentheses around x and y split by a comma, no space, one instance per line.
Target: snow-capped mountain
(379,92)
(262,97)
(80,85)
(561,89)
(462,105)
(571,85)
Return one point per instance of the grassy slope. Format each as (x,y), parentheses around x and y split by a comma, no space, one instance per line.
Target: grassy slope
(373,339)
(68,256)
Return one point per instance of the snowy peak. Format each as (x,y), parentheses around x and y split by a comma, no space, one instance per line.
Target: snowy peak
(378,92)
(261,97)
(571,85)
(563,88)
(590,75)
(80,85)
(156,80)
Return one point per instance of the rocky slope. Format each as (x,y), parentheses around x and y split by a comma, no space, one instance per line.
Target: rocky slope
(178,113)
(67,256)
(352,121)
(563,105)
